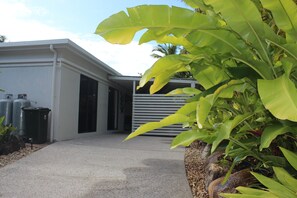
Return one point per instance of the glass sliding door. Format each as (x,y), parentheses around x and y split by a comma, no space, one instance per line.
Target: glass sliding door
(113,109)
(88,96)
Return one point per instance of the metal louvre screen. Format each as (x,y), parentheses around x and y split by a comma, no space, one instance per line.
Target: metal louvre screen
(150,108)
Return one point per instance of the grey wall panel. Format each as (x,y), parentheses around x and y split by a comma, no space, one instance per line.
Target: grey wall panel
(68,105)
(102,108)
(36,82)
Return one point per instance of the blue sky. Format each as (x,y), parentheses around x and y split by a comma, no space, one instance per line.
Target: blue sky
(84,16)
(26,20)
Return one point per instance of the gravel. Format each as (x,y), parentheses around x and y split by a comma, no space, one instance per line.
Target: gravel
(194,165)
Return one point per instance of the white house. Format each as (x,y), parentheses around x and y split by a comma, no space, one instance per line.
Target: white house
(84,94)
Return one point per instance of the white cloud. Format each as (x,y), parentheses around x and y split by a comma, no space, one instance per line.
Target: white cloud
(19,25)
(130,59)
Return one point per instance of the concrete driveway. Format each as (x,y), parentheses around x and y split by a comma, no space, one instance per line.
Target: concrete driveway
(99,166)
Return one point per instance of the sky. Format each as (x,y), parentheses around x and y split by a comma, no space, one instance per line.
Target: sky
(27,20)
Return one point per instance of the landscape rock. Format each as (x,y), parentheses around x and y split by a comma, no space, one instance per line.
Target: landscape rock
(213,169)
(240,178)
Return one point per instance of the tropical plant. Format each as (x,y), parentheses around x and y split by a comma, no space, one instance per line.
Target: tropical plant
(282,186)
(5,131)
(244,54)
(165,50)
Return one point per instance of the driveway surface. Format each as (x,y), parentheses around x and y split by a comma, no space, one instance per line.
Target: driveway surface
(99,166)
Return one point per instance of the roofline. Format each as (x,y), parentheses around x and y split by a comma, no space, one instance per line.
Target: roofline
(137,78)
(63,42)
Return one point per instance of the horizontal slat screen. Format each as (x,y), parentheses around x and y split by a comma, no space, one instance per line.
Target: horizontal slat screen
(152,108)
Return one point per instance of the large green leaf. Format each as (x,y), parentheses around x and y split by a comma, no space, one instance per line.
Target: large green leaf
(169,120)
(203,108)
(196,4)
(285,178)
(187,108)
(245,19)
(285,15)
(209,75)
(290,49)
(220,41)
(163,78)
(275,187)
(270,133)
(290,156)
(279,96)
(186,91)
(187,137)
(121,27)
(261,67)
(166,67)
(150,35)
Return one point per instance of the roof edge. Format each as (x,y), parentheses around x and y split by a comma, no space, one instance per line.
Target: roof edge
(63,42)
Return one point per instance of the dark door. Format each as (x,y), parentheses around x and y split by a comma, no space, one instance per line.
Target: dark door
(113,109)
(88,95)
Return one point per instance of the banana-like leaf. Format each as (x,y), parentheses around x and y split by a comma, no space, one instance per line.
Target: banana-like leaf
(187,137)
(290,156)
(221,41)
(187,108)
(163,78)
(261,67)
(285,15)
(290,48)
(274,187)
(209,75)
(285,178)
(270,133)
(228,92)
(169,120)
(249,26)
(279,97)
(196,4)
(186,91)
(120,28)
(166,67)
(150,35)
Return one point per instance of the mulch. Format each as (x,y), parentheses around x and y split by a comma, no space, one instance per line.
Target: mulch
(12,157)
(194,165)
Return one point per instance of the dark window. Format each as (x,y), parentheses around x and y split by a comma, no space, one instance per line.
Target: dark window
(113,109)
(87,120)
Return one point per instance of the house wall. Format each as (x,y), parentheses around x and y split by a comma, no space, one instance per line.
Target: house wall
(29,69)
(67,119)
(102,108)
(36,82)
(67,101)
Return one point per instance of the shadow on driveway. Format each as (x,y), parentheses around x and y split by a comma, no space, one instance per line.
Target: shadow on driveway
(158,179)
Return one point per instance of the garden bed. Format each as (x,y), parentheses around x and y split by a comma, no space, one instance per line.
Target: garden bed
(205,173)
(12,157)
(195,169)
